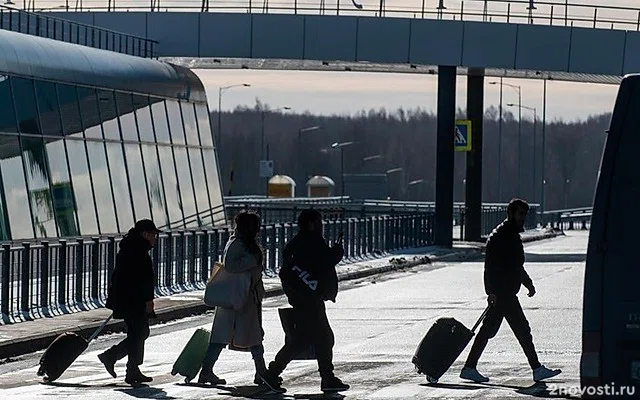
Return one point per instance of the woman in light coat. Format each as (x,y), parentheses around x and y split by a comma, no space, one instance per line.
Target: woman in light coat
(240,329)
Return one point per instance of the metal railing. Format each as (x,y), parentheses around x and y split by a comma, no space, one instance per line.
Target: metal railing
(21,21)
(559,12)
(568,219)
(276,210)
(52,278)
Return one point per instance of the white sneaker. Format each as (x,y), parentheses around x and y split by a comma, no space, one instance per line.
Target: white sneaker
(472,374)
(543,372)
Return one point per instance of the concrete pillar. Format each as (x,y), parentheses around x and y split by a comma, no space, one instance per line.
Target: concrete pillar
(444,155)
(473,187)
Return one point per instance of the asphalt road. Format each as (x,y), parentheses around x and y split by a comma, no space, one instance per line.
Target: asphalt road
(378,323)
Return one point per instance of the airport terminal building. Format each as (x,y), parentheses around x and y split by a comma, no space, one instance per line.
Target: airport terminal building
(91,141)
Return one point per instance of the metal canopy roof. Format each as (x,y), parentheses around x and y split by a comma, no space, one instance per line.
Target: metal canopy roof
(312,65)
(37,57)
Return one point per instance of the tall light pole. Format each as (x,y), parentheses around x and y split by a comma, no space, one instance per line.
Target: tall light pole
(499,140)
(301,152)
(544,143)
(341,146)
(518,89)
(221,90)
(390,171)
(535,118)
(262,149)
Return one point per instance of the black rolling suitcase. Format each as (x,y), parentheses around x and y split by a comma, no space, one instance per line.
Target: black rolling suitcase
(442,344)
(63,351)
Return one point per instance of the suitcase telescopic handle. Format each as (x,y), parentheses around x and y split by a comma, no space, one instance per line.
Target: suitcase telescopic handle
(100,328)
(484,314)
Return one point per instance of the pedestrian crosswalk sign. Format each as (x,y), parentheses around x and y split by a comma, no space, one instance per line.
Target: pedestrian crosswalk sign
(463,135)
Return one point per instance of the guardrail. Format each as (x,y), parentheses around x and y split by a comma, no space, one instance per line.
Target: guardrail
(568,219)
(507,11)
(277,210)
(22,21)
(52,278)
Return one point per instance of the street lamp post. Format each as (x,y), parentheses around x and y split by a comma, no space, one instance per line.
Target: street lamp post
(390,171)
(262,150)
(340,146)
(221,90)
(518,89)
(301,153)
(535,118)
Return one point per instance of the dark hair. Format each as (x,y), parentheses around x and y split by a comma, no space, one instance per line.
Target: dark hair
(246,220)
(306,217)
(515,204)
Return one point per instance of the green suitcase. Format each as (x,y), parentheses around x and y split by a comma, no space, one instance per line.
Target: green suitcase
(190,360)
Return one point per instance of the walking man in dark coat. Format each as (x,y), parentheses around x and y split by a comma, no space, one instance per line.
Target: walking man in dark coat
(504,274)
(309,279)
(130,297)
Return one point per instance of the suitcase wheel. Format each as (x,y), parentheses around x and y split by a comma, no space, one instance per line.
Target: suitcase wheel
(431,379)
(173,372)
(187,380)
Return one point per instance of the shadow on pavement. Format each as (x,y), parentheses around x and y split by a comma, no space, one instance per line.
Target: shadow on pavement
(251,392)
(319,396)
(539,389)
(555,258)
(146,392)
(456,386)
(79,385)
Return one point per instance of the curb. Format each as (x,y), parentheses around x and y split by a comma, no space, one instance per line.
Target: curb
(39,342)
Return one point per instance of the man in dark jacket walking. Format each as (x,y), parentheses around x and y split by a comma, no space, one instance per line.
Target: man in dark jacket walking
(309,279)
(504,274)
(130,297)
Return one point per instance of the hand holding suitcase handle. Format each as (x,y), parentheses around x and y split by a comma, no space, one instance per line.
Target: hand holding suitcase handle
(484,314)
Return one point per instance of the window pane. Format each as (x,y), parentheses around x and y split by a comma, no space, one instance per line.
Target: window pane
(7,116)
(15,188)
(90,115)
(108,115)
(48,107)
(25,101)
(138,183)
(143,114)
(69,109)
(127,118)
(213,180)
(61,189)
(170,187)
(160,122)
(202,196)
(120,186)
(204,124)
(186,188)
(154,183)
(82,187)
(190,125)
(102,187)
(38,184)
(175,122)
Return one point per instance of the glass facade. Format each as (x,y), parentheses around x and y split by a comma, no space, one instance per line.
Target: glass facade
(77,160)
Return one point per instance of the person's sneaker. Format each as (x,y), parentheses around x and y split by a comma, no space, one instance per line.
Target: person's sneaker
(258,381)
(210,378)
(272,381)
(108,363)
(543,372)
(472,374)
(333,384)
(137,377)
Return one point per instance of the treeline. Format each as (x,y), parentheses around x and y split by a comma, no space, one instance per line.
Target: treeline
(386,140)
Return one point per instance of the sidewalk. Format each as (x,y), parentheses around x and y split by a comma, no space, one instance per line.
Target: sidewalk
(30,336)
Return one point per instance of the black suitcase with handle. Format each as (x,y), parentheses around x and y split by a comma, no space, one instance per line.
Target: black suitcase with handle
(63,351)
(442,345)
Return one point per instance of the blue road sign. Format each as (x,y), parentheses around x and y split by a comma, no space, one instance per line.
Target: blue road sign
(462,138)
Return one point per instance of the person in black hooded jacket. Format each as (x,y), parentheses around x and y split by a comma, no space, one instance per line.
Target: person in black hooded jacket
(504,275)
(130,297)
(309,278)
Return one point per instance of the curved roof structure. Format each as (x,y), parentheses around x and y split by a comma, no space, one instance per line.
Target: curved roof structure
(37,57)
(320,180)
